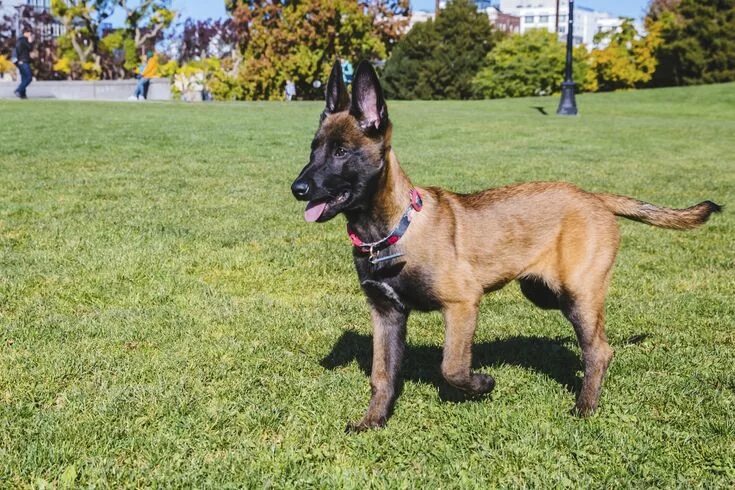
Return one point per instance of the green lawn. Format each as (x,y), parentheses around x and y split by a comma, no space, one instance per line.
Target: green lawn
(168,319)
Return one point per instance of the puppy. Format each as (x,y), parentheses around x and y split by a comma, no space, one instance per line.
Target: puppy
(425,248)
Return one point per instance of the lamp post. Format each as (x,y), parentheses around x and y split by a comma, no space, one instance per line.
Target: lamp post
(567,105)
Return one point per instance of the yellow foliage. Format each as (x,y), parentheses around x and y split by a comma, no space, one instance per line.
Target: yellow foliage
(90,71)
(6,66)
(628,60)
(63,65)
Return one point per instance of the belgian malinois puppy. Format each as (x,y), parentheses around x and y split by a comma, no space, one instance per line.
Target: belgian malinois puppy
(425,248)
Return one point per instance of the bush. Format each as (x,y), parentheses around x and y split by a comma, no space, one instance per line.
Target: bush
(530,64)
(6,66)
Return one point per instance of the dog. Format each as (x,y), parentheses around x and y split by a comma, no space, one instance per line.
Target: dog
(426,249)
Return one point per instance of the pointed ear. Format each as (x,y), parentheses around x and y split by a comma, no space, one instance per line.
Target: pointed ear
(368,104)
(337,97)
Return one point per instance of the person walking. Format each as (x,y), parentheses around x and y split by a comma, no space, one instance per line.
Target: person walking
(290,90)
(23,49)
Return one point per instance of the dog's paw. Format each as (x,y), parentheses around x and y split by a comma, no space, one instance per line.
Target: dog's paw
(365,425)
(482,384)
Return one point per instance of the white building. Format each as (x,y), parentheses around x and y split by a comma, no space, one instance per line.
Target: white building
(541,14)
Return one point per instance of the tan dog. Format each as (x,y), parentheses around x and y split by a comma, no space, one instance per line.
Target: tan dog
(431,249)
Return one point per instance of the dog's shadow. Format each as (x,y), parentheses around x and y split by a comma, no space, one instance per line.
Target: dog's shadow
(422,363)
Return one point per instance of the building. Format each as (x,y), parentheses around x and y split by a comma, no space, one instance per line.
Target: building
(519,16)
(502,21)
(541,14)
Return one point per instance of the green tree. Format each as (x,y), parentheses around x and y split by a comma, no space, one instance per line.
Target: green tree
(530,64)
(697,41)
(628,59)
(438,59)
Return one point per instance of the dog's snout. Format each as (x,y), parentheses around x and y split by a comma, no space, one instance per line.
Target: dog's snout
(300,189)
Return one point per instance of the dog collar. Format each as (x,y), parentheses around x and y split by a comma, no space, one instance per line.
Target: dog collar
(373,248)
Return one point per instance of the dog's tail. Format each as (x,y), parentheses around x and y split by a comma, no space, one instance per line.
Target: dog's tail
(675,219)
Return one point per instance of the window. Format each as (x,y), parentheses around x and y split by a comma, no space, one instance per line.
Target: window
(562,18)
(529,19)
(544,19)
(562,29)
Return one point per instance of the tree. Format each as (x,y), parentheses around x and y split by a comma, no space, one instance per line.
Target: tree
(628,59)
(80,45)
(206,38)
(146,20)
(299,41)
(438,59)
(530,64)
(697,41)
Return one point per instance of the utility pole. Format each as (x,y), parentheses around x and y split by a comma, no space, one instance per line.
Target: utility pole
(556,25)
(567,105)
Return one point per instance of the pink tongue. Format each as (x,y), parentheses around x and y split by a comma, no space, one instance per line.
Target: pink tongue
(314,210)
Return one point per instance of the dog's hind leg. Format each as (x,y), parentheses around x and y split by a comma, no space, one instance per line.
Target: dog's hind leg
(461,320)
(389,340)
(585,312)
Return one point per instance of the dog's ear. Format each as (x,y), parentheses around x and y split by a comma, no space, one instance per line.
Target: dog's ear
(368,104)
(337,97)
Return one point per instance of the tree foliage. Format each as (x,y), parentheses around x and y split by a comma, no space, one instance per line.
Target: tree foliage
(299,40)
(83,53)
(145,20)
(438,59)
(530,64)
(697,41)
(628,59)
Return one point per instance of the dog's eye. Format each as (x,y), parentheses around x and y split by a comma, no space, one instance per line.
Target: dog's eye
(340,152)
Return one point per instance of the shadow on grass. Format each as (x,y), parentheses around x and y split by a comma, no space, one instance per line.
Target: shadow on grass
(422,362)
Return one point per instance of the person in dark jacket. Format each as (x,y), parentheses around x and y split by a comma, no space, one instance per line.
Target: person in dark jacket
(23,50)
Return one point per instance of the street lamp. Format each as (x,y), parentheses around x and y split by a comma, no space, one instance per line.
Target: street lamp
(567,105)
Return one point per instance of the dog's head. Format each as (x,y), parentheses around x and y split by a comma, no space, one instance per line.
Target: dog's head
(349,149)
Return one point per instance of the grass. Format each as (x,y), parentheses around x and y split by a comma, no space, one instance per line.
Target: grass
(168,319)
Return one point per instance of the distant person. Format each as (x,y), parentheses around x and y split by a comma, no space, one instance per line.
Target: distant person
(23,49)
(290,90)
(147,70)
(347,71)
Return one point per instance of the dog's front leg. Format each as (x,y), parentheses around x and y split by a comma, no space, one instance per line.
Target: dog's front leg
(389,340)
(460,320)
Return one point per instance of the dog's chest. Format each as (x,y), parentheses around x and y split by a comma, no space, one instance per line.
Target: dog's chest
(404,285)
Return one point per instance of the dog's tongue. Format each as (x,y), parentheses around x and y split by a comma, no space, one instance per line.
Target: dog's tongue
(314,210)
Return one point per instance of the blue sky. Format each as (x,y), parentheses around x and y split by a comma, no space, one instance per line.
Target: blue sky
(202,9)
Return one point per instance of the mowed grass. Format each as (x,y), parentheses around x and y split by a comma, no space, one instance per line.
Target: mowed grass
(168,319)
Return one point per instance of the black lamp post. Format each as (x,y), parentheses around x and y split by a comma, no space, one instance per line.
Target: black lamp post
(567,105)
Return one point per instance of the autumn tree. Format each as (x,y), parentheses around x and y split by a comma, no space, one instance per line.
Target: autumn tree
(80,45)
(206,38)
(299,41)
(627,61)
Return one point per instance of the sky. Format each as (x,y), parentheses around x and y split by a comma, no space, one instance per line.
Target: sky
(203,9)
